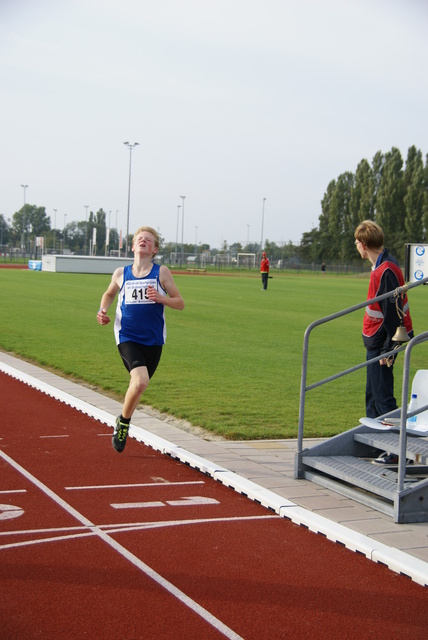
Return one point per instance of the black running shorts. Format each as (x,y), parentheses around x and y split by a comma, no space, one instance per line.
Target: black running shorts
(140,355)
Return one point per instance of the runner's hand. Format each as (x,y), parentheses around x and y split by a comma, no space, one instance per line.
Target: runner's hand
(102,317)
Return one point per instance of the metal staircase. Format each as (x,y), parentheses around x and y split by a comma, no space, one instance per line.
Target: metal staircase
(344,463)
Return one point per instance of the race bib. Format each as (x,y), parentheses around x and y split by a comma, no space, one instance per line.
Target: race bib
(136,291)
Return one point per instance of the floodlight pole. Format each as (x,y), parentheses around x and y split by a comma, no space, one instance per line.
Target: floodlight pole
(24,186)
(54,234)
(182,230)
(176,236)
(131,148)
(263,219)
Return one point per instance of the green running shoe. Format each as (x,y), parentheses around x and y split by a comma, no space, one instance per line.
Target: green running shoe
(120,435)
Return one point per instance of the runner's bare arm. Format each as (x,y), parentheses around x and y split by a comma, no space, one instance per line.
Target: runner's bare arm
(173,299)
(109,295)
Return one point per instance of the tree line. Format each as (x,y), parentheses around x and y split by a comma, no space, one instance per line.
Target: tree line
(394,195)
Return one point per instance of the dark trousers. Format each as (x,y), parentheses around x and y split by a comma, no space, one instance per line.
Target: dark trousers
(265,280)
(379,387)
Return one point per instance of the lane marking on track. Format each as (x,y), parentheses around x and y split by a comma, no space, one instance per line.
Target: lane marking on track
(125,553)
(189,501)
(164,483)
(13,491)
(59,436)
(9,511)
(82,532)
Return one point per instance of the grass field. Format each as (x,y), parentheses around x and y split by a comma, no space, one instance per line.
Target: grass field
(233,358)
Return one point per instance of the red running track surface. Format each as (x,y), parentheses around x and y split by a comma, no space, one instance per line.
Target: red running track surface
(96,544)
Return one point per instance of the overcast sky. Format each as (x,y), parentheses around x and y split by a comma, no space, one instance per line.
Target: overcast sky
(231,102)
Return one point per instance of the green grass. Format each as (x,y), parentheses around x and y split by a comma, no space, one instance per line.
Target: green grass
(233,358)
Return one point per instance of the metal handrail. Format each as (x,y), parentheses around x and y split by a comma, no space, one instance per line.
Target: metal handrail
(304,388)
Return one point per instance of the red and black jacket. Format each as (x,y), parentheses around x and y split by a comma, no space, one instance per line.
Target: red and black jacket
(381,319)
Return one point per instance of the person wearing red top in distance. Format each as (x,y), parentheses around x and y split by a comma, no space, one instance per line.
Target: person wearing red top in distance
(264,270)
(380,320)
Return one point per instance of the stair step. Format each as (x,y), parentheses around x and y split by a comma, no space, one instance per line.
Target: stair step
(360,473)
(416,449)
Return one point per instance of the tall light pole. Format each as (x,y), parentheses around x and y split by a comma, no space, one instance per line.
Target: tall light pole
(176,237)
(24,186)
(131,147)
(263,219)
(54,237)
(86,226)
(182,230)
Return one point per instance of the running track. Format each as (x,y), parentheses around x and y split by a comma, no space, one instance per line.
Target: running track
(96,544)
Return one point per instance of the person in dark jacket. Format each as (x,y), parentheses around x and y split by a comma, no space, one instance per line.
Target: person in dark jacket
(381,319)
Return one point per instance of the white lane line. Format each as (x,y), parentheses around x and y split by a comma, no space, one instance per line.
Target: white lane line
(26,532)
(151,573)
(59,436)
(190,501)
(82,532)
(137,505)
(13,491)
(139,484)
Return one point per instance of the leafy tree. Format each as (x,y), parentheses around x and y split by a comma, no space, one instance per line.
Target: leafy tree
(324,222)
(235,248)
(390,210)
(338,222)
(4,231)
(414,198)
(362,204)
(310,246)
(31,219)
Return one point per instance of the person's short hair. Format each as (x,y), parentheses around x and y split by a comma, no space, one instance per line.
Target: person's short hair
(370,234)
(149,230)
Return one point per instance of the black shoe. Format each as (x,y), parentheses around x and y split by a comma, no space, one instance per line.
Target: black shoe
(389,460)
(120,435)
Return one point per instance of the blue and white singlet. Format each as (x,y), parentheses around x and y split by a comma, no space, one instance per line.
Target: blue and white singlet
(138,319)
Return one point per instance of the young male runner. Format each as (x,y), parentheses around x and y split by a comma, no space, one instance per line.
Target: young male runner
(145,289)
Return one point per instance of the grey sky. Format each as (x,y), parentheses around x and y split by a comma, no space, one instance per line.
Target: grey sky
(231,101)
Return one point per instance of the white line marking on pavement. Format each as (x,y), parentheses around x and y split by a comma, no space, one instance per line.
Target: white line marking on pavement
(13,491)
(82,532)
(9,511)
(151,573)
(190,501)
(139,484)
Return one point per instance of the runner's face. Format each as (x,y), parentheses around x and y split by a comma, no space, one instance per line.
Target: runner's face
(145,242)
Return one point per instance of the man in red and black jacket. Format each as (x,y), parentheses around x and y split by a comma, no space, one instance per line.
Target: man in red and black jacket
(381,318)
(264,270)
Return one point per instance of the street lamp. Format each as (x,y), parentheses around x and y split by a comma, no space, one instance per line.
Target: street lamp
(54,236)
(130,147)
(24,186)
(263,219)
(63,233)
(182,230)
(176,236)
(86,226)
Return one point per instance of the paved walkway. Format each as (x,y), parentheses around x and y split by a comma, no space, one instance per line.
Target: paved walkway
(263,470)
